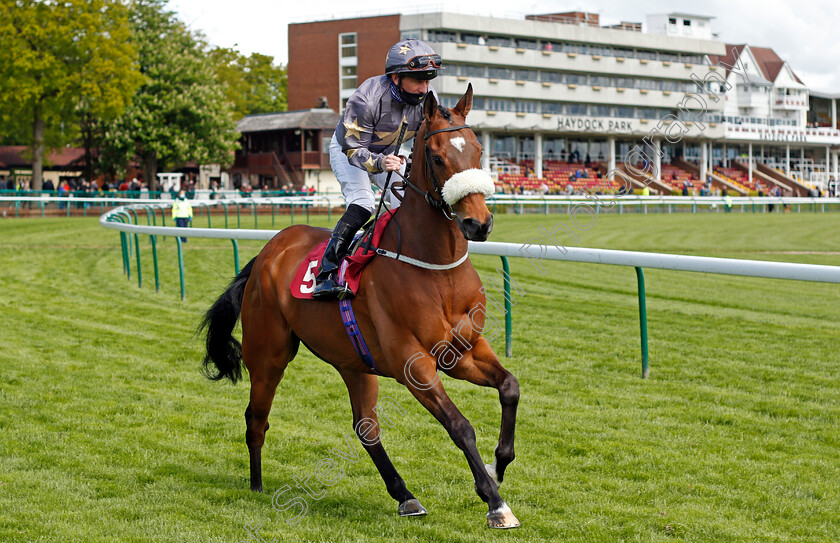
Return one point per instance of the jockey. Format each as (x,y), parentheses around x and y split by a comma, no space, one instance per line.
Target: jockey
(362,150)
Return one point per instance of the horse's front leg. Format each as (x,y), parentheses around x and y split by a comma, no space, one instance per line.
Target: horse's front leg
(420,377)
(481,367)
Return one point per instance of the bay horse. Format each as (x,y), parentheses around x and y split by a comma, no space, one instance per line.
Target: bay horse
(443,210)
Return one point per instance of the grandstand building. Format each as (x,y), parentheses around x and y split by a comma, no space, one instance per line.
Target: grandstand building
(560,99)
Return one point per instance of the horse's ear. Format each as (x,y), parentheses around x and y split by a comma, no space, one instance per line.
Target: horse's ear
(430,106)
(465,103)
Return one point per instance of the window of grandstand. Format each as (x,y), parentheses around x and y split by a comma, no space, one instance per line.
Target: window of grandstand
(623,111)
(504,146)
(526,43)
(644,54)
(348,77)
(645,113)
(408,34)
(499,41)
(576,109)
(600,111)
(623,82)
(552,77)
(619,52)
(527,75)
(470,38)
(527,106)
(552,107)
(471,70)
(650,84)
(576,79)
(499,73)
(599,81)
(499,104)
(672,86)
(692,59)
(442,36)
(451,101)
(596,50)
(579,48)
(672,21)
(670,57)
(347,44)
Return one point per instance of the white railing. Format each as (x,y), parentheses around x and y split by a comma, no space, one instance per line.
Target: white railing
(751,268)
(603,202)
(530,250)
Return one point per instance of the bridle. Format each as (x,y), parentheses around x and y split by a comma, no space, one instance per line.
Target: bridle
(436,202)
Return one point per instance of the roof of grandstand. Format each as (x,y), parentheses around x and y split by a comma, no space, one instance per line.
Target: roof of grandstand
(20,155)
(768,61)
(305,119)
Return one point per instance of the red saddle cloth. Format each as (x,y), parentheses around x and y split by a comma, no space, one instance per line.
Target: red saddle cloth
(304,281)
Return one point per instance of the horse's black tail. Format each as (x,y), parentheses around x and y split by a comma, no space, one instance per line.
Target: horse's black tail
(223,350)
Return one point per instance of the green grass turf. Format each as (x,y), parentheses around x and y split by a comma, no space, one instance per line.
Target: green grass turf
(109,433)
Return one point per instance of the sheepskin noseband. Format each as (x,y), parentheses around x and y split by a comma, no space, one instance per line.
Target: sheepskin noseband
(467,182)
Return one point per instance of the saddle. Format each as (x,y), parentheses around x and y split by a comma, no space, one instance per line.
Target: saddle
(351,267)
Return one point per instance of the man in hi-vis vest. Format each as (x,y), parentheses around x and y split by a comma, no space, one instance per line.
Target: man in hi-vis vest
(182,211)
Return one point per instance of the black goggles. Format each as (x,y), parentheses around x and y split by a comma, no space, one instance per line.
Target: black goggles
(424,62)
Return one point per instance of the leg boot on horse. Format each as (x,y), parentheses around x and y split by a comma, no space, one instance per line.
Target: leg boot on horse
(408,313)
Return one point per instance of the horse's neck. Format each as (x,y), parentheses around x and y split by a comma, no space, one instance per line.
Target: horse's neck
(426,233)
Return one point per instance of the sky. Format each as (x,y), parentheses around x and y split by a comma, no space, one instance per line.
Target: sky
(803,32)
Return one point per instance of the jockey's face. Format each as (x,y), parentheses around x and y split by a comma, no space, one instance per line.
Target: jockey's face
(412,85)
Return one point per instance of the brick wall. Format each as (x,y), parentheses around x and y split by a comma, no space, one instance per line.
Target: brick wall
(313,56)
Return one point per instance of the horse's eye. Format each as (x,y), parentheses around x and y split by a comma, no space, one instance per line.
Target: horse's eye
(437,161)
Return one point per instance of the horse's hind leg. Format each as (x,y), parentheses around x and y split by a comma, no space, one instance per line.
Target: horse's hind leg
(363,389)
(268,345)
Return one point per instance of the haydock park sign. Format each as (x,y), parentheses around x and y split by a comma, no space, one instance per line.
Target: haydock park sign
(597,124)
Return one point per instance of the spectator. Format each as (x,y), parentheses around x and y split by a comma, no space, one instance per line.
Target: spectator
(48,186)
(63,192)
(588,161)
(182,211)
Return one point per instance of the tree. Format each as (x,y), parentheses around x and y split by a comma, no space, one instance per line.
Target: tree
(180,113)
(252,84)
(59,59)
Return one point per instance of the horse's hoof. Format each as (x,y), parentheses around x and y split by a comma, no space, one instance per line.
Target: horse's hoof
(502,518)
(491,471)
(411,508)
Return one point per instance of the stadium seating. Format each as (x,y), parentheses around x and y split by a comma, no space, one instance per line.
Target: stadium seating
(555,176)
(736,177)
(676,177)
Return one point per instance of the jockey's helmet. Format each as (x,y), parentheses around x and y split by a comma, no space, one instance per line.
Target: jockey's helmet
(414,58)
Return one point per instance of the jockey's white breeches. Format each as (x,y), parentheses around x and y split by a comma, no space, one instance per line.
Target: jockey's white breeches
(356,183)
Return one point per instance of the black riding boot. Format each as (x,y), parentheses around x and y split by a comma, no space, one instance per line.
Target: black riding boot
(327,287)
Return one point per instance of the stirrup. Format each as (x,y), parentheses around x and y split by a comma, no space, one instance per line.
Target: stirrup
(331,290)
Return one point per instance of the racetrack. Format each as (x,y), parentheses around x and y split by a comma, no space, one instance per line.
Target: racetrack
(110,433)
